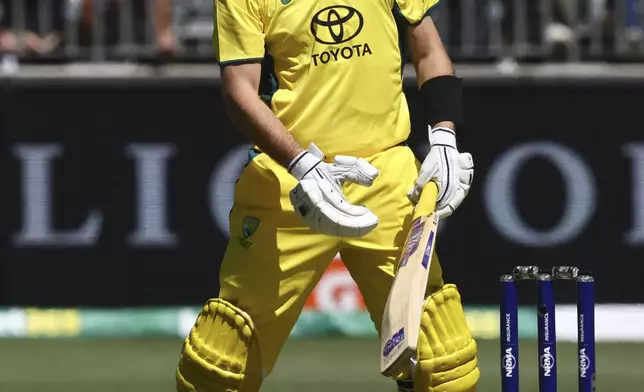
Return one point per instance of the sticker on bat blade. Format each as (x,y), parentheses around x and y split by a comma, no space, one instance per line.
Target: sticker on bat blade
(393,342)
(428,250)
(413,239)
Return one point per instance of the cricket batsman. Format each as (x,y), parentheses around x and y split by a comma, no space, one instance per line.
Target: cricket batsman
(317,86)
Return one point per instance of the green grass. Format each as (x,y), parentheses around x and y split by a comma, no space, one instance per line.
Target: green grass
(321,365)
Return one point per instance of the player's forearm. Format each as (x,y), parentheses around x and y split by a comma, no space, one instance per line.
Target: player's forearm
(431,61)
(258,123)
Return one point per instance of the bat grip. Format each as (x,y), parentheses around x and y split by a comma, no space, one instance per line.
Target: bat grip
(427,203)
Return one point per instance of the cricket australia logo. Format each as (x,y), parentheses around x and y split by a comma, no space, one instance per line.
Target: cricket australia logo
(249,227)
(547,362)
(509,362)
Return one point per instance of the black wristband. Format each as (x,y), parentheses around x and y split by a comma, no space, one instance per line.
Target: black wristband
(443,100)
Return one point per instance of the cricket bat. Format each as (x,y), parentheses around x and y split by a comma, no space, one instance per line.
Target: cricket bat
(401,319)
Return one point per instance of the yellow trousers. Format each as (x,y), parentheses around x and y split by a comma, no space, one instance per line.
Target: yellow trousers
(273,262)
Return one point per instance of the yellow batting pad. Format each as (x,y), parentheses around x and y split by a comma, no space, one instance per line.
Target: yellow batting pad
(446,350)
(221,353)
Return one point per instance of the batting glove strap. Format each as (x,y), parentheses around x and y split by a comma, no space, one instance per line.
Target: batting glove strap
(305,161)
(442,137)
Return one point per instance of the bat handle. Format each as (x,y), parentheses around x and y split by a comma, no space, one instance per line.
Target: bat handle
(427,203)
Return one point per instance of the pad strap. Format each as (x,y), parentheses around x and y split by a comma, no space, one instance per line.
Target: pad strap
(406,385)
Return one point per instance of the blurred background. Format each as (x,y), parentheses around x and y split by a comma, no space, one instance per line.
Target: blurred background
(117,168)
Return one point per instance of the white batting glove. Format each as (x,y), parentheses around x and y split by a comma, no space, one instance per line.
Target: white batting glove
(318,197)
(452,171)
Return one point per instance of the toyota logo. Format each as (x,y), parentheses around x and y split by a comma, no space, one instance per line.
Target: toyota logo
(336,24)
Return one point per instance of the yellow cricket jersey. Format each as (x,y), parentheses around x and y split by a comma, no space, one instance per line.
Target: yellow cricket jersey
(331,69)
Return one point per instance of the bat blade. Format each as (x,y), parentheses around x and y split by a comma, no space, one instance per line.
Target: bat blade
(401,320)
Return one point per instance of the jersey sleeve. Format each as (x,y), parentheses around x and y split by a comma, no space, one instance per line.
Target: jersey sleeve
(414,10)
(238,34)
